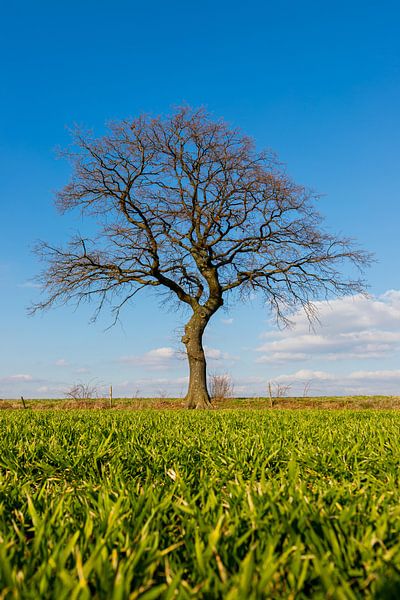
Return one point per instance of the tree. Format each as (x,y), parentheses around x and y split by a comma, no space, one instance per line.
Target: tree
(187,205)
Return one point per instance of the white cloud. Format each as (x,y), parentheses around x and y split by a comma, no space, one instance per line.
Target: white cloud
(164,357)
(158,358)
(61,362)
(170,381)
(12,386)
(227,321)
(21,377)
(349,328)
(151,386)
(376,375)
(161,353)
(50,390)
(306,375)
(313,382)
(214,354)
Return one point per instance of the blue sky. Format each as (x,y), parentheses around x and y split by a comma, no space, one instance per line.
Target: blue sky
(319,83)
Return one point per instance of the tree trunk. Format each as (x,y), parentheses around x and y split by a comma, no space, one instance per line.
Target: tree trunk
(197,395)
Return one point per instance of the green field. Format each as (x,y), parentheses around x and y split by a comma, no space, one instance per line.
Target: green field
(219,504)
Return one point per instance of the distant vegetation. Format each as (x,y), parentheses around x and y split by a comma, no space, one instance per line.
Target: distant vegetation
(233,505)
(218,388)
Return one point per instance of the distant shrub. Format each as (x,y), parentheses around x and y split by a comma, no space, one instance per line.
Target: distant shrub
(221,386)
(82,391)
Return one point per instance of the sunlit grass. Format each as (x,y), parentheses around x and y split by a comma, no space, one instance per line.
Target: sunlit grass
(232,504)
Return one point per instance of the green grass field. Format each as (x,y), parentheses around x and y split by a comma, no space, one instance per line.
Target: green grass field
(219,504)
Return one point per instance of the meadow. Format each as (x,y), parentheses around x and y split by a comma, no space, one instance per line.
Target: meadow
(213,504)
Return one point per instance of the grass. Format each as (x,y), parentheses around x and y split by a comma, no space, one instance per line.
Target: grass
(220,504)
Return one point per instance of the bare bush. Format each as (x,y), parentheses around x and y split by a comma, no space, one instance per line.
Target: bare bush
(307,388)
(281,390)
(82,391)
(276,391)
(221,386)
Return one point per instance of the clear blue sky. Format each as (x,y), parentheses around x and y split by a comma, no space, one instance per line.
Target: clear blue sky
(319,83)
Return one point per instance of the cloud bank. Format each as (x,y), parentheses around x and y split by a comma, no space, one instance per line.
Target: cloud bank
(354,328)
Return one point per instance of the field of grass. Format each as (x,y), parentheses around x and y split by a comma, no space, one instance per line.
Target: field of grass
(218,504)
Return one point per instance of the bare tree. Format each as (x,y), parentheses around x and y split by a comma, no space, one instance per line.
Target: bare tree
(220,386)
(188,206)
